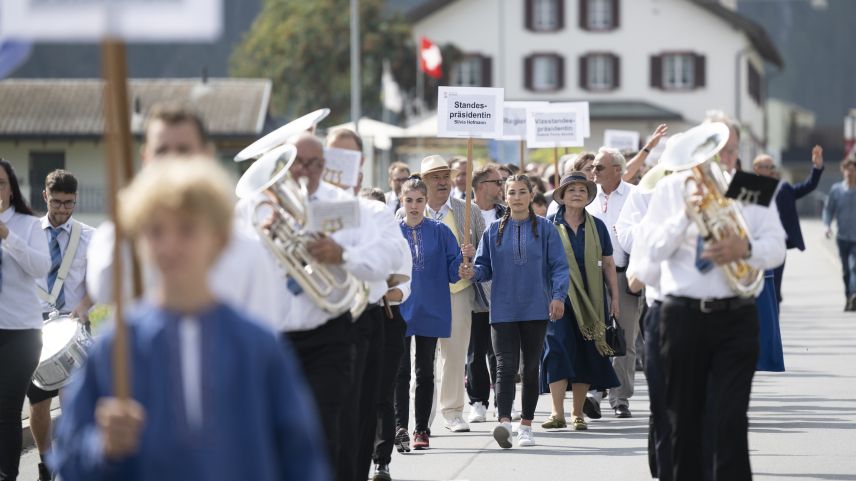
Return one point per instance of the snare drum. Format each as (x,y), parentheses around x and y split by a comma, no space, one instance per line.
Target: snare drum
(64,345)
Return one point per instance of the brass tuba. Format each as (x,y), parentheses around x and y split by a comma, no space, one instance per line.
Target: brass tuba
(715,214)
(279,217)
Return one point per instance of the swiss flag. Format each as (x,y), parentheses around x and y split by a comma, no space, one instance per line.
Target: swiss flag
(430,59)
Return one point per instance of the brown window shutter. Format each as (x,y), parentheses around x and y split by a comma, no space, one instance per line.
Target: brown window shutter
(527,72)
(754,83)
(560,12)
(584,72)
(657,71)
(527,14)
(699,65)
(583,14)
(616,13)
(560,69)
(486,72)
(616,71)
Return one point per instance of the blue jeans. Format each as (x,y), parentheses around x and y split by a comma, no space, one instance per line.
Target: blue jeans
(847,252)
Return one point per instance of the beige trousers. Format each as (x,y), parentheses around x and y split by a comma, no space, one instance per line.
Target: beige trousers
(449,390)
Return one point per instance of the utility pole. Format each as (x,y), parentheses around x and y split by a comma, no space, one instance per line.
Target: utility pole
(355,64)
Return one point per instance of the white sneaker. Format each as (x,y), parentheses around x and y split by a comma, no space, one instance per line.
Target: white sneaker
(502,434)
(478,413)
(525,436)
(515,415)
(515,427)
(457,425)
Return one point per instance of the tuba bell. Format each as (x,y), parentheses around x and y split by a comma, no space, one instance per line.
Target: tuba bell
(715,215)
(279,217)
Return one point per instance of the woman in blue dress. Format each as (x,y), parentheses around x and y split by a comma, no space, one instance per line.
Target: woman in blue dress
(575,350)
(770,355)
(522,254)
(428,310)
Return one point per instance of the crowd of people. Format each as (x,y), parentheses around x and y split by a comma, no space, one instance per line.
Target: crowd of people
(237,370)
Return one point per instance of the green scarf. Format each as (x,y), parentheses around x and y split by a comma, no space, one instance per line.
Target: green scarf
(587,306)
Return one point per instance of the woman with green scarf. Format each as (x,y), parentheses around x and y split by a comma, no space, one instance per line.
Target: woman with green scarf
(575,350)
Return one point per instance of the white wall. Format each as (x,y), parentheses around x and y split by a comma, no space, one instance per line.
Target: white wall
(648,27)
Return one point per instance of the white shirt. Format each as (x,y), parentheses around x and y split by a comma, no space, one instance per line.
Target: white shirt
(632,237)
(387,227)
(439,214)
(25,258)
(488,216)
(607,208)
(672,239)
(74,287)
(405,268)
(367,257)
(191,369)
(628,222)
(391,200)
(244,276)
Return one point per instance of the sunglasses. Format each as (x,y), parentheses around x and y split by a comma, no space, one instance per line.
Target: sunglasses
(497,182)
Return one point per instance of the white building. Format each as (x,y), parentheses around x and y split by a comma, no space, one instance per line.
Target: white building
(638,62)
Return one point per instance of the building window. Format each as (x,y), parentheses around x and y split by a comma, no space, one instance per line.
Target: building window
(678,71)
(754,84)
(601,72)
(599,14)
(545,15)
(467,72)
(544,72)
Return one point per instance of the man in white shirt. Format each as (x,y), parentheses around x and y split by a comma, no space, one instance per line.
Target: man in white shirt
(359,420)
(487,184)
(398,174)
(62,291)
(612,192)
(709,335)
(459,166)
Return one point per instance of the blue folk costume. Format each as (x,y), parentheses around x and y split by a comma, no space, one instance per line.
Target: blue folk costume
(567,353)
(526,272)
(258,421)
(436,258)
(770,354)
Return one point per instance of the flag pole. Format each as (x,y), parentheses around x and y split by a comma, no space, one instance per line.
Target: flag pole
(355,65)
(466,237)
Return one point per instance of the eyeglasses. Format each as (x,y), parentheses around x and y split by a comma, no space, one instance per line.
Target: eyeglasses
(599,167)
(312,163)
(497,182)
(401,180)
(766,167)
(68,204)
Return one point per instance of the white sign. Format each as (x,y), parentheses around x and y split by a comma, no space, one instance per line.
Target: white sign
(514,119)
(623,140)
(329,216)
(470,112)
(342,167)
(583,108)
(554,126)
(130,20)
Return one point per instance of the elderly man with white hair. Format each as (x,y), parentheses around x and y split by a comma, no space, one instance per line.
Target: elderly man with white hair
(612,191)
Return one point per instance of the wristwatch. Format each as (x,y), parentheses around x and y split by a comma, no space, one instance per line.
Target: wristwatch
(646,150)
(748,253)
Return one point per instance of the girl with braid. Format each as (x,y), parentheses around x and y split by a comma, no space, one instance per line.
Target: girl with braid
(522,254)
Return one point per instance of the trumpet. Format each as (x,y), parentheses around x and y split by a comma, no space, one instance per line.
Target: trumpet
(714,214)
(279,219)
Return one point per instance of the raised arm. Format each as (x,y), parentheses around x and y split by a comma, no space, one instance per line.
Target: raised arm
(636,163)
(807,186)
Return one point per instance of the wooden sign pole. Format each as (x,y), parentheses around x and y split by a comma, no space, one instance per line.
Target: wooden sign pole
(466,236)
(558,174)
(522,156)
(118,146)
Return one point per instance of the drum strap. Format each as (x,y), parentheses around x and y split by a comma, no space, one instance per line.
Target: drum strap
(64,267)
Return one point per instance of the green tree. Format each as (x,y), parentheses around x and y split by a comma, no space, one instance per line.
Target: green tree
(304,47)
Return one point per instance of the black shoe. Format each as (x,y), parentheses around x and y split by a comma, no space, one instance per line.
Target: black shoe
(402,441)
(851,303)
(44,473)
(591,408)
(381,473)
(622,412)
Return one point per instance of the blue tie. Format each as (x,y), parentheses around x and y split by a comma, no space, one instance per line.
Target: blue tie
(703,265)
(56,261)
(293,286)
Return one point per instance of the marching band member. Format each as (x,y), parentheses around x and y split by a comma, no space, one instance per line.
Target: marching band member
(436,257)
(709,336)
(398,173)
(575,350)
(24,258)
(393,347)
(359,421)
(244,275)
(63,290)
(443,207)
(488,186)
(523,255)
(195,362)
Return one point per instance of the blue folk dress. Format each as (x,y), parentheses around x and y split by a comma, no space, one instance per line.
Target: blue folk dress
(567,354)
(436,257)
(770,355)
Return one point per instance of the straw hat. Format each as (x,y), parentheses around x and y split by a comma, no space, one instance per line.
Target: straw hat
(433,163)
(574,178)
